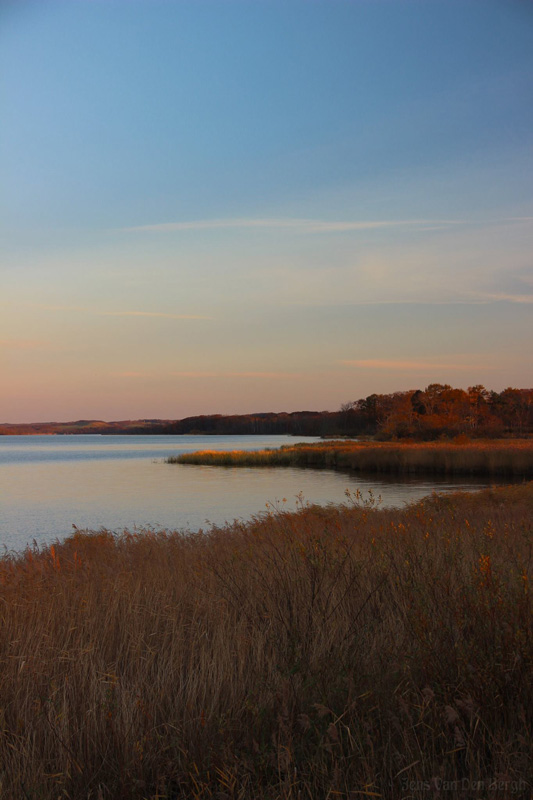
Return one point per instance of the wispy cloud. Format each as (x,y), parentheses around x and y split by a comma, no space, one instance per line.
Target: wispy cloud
(297,225)
(509,298)
(94,312)
(472,300)
(260,375)
(265,375)
(52,307)
(199,374)
(22,344)
(364,303)
(150,314)
(411,366)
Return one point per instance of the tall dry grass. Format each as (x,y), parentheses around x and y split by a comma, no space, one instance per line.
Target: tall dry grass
(330,653)
(507,458)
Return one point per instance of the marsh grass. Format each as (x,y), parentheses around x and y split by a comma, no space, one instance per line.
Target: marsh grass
(507,458)
(336,652)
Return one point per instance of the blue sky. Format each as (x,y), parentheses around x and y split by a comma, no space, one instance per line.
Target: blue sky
(248,206)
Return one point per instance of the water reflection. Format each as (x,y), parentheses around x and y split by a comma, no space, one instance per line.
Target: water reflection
(47,486)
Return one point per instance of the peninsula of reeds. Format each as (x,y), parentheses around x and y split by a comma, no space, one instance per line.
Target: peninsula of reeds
(491,458)
(339,652)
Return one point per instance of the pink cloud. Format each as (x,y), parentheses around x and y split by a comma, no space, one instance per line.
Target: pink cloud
(22,344)
(298,225)
(260,375)
(150,314)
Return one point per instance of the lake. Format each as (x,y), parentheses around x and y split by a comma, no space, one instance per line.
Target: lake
(50,483)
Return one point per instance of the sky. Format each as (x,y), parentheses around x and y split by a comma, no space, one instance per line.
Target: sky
(261,205)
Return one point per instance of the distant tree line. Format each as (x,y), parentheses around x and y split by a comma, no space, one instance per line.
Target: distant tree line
(437,411)
(297,423)
(441,411)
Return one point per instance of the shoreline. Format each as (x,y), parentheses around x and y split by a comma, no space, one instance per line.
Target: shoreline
(490,458)
(350,645)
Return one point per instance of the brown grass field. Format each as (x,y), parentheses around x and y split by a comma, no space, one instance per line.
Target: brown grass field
(339,652)
(492,457)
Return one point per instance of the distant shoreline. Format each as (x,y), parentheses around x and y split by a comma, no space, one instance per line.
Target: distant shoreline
(438,412)
(491,458)
(155,433)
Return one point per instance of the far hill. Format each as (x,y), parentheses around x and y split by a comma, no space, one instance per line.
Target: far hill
(300,423)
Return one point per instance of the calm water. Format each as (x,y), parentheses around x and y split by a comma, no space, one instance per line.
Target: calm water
(50,483)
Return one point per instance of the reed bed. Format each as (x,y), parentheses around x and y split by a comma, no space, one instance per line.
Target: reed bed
(496,458)
(339,652)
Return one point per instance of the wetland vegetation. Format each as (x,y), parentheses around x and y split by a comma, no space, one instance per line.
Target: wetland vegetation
(490,458)
(334,652)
